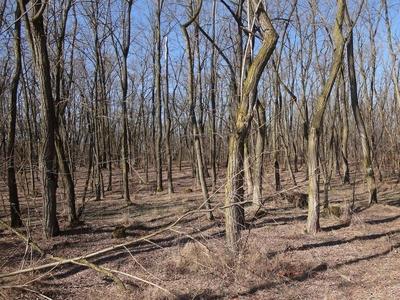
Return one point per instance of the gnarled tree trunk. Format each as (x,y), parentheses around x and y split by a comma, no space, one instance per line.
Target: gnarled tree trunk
(234,213)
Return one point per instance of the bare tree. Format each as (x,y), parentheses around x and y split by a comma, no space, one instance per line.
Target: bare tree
(126,41)
(37,38)
(167,115)
(316,123)
(234,214)
(62,88)
(345,129)
(11,178)
(369,172)
(192,114)
(157,60)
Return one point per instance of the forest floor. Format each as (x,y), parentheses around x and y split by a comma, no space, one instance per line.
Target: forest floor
(354,256)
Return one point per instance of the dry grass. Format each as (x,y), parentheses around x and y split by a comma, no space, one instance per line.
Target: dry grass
(355,256)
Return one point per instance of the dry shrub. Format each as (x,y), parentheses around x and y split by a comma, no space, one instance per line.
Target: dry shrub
(126,220)
(193,257)
(257,263)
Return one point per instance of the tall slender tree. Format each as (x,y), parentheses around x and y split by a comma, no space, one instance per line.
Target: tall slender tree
(62,87)
(168,122)
(126,41)
(37,38)
(192,114)
(157,61)
(11,178)
(316,123)
(369,171)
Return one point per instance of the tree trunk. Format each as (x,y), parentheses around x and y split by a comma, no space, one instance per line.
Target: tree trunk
(126,28)
(234,216)
(248,172)
(259,157)
(69,189)
(158,145)
(193,121)
(345,131)
(213,93)
(316,123)
(63,94)
(11,178)
(47,160)
(275,134)
(168,123)
(369,172)
(31,187)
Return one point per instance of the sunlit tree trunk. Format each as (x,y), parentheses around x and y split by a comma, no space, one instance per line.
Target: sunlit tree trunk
(395,79)
(345,129)
(259,157)
(316,124)
(167,115)
(234,215)
(369,172)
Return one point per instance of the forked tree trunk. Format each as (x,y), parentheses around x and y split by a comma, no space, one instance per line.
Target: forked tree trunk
(316,124)
(234,213)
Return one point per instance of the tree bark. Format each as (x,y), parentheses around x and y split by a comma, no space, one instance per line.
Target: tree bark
(213,93)
(192,115)
(66,172)
(11,178)
(316,123)
(158,145)
(168,123)
(345,131)
(126,40)
(234,213)
(369,172)
(259,157)
(47,161)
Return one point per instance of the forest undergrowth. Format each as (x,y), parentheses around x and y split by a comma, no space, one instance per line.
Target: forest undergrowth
(354,256)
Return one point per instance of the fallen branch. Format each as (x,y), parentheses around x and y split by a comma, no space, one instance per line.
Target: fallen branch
(83,260)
